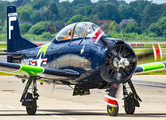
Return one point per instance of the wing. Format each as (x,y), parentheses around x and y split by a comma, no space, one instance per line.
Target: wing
(150,67)
(41,72)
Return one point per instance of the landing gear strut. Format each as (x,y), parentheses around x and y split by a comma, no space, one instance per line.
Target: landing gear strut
(131,100)
(29,99)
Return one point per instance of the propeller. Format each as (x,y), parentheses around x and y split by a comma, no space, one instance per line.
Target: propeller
(120,64)
(115,83)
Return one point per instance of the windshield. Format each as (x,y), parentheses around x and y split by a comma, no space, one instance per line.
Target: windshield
(63,34)
(77,30)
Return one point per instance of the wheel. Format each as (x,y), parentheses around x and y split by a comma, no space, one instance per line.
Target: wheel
(112,111)
(32,110)
(129,105)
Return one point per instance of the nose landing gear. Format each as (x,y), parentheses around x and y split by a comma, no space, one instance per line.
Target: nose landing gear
(131,100)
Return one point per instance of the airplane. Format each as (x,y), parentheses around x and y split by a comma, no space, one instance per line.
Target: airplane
(81,55)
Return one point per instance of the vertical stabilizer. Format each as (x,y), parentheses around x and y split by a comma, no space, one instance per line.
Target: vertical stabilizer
(15,42)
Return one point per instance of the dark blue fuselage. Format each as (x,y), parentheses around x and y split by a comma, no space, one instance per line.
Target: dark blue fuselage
(85,58)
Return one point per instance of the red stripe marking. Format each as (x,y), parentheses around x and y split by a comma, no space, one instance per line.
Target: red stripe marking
(110,101)
(96,35)
(157,51)
(33,62)
(44,60)
(41,83)
(115,85)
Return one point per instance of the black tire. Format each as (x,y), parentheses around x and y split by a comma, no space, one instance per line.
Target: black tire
(129,105)
(32,110)
(112,111)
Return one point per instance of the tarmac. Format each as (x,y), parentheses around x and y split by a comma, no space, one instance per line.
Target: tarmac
(59,104)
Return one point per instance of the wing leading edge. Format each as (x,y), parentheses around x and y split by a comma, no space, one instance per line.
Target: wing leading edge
(28,70)
(150,67)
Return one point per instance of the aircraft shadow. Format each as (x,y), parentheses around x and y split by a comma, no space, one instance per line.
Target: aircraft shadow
(77,112)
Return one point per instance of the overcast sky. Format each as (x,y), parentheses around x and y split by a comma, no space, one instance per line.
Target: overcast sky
(155,1)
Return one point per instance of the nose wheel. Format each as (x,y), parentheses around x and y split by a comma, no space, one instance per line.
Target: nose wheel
(112,111)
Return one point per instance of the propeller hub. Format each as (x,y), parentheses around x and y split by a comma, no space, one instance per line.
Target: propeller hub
(123,62)
(115,62)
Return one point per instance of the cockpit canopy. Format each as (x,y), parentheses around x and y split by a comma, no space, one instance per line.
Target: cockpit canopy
(77,30)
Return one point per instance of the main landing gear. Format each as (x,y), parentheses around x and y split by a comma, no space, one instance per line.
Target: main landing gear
(131,100)
(29,100)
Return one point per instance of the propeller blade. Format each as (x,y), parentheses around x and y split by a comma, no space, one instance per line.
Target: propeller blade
(132,60)
(115,83)
(110,99)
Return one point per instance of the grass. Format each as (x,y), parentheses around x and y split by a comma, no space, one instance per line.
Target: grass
(161,72)
(144,50)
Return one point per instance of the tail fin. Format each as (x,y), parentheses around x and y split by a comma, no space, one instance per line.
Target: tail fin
(15,41)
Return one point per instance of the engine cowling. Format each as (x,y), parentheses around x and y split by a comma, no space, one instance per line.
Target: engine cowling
(121,55)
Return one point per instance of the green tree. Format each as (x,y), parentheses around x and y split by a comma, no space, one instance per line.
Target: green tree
(46,35)
(162,23)
(24,28)
(112,13)
(53,9)
(139,5)
(122,2)
(38,28)
(88,10)
(1,22)
(132,27)
(164,33)
(50,27)
(80,3)
(46,15)
(127,12)
(163,14)
(37,4)
(114,27)
(68,13)
(152,35)
(98,10)
(64,4)
(25,2)
(2,15)
(25,16)
(154,28)
(5,27)
(59,23)
(150,15)
(35,17)
(105,26)
(81,11)
(77,18)
(1,29)
(24,13)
